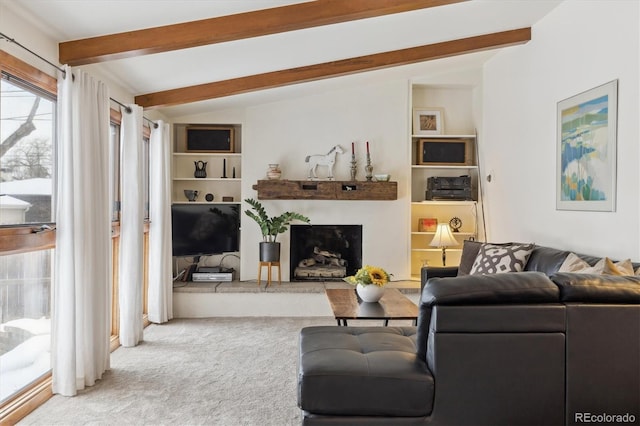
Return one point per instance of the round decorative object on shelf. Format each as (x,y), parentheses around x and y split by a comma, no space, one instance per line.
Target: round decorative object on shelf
(274,172)
(370,292)
(209,197)
(455,223)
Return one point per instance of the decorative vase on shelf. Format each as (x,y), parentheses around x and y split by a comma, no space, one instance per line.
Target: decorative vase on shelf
(274,172)
(370,292)
(191,194)
(201,169)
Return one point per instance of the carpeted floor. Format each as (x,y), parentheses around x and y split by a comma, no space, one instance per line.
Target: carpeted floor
(214,371)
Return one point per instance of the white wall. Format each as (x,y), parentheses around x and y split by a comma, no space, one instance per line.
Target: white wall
(286,132)
(578,46)
(25,31)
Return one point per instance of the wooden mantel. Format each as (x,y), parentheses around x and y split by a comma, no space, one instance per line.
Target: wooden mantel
(325,190)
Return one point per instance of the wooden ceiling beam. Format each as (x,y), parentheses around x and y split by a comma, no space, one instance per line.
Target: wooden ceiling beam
(333,69)
(232,27)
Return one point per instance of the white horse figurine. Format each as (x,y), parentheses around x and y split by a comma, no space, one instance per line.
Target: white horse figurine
(323,160)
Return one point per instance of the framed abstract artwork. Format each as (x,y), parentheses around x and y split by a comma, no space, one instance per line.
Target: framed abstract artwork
(586,150)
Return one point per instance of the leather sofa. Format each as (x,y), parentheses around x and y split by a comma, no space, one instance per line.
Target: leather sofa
(527,348)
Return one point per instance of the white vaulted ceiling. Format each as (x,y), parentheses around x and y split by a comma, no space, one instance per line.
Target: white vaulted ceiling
(66,20)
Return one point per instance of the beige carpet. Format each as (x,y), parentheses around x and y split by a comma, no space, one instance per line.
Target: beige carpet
(214,371)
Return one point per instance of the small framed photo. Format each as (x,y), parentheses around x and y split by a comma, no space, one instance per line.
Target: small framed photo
(427,224)
(428,121)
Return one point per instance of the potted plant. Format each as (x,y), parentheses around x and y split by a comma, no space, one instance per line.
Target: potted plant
(270,228)
(369,282)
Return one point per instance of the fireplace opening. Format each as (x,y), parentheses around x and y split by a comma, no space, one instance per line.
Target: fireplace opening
(325,252)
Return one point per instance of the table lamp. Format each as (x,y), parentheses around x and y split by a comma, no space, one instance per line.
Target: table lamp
(444,239)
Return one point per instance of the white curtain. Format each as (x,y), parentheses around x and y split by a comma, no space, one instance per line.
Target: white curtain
(81,307)
(131,227)
(160,306)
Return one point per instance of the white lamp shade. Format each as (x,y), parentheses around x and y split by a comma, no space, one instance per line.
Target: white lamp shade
(443,237)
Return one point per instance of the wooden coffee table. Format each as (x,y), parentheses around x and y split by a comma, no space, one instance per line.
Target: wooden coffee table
(347,305)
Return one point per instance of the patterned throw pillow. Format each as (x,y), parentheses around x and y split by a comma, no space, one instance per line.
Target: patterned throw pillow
(495,259)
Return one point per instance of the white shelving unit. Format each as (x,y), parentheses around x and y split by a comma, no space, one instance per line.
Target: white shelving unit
(421,252)
(221,164)
(214,183)
(457,106)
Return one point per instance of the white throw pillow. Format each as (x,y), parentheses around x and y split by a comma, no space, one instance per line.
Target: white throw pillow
(573,263)
(605,266)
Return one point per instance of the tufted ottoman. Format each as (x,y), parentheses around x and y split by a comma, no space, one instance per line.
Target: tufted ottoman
(363,371)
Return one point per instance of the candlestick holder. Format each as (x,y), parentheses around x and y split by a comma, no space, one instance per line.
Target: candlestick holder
(354,169)
(369,169)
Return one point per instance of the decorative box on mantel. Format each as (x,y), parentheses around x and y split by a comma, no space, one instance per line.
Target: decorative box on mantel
(325,190)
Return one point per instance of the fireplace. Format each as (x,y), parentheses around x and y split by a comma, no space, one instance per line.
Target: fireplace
(325,252)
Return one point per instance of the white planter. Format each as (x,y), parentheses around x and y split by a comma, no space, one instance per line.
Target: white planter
(370,292)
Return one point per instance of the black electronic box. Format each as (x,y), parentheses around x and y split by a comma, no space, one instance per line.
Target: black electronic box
(449,188)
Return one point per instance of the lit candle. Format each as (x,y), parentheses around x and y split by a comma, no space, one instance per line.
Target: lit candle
(367,147)
(353,148)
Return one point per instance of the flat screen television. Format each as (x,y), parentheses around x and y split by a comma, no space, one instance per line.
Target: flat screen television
(205,229)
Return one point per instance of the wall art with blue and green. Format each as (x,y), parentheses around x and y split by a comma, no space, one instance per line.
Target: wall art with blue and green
(586,152)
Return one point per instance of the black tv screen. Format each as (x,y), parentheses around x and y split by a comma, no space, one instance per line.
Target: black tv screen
(199,229)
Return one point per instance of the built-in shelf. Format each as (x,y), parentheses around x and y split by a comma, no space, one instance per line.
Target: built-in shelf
(325,190)
(205,179)
(200,154)
(443,136)
(420,166)
(223,169)
(437,161)
(455,234)
(434,250)
(207,202)
(445,203)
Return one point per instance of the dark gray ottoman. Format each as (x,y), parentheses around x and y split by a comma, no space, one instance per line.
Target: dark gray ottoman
(363,371)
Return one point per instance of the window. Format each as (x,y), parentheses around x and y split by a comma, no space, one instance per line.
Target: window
(25,332)
(27,146)
(114,172)
(145,175)
(26,153)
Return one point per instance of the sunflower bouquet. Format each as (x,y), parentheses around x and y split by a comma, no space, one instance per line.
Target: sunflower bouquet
(369,275)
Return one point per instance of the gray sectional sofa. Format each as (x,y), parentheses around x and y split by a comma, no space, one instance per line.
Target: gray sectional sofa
(536,347)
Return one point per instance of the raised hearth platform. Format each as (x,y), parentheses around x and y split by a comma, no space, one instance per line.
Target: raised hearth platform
(286,287)
(246,298)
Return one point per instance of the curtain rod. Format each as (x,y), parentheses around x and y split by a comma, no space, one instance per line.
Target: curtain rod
(14,41)
(128,109)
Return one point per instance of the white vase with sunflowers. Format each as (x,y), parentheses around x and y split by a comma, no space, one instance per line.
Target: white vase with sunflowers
(369,282)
